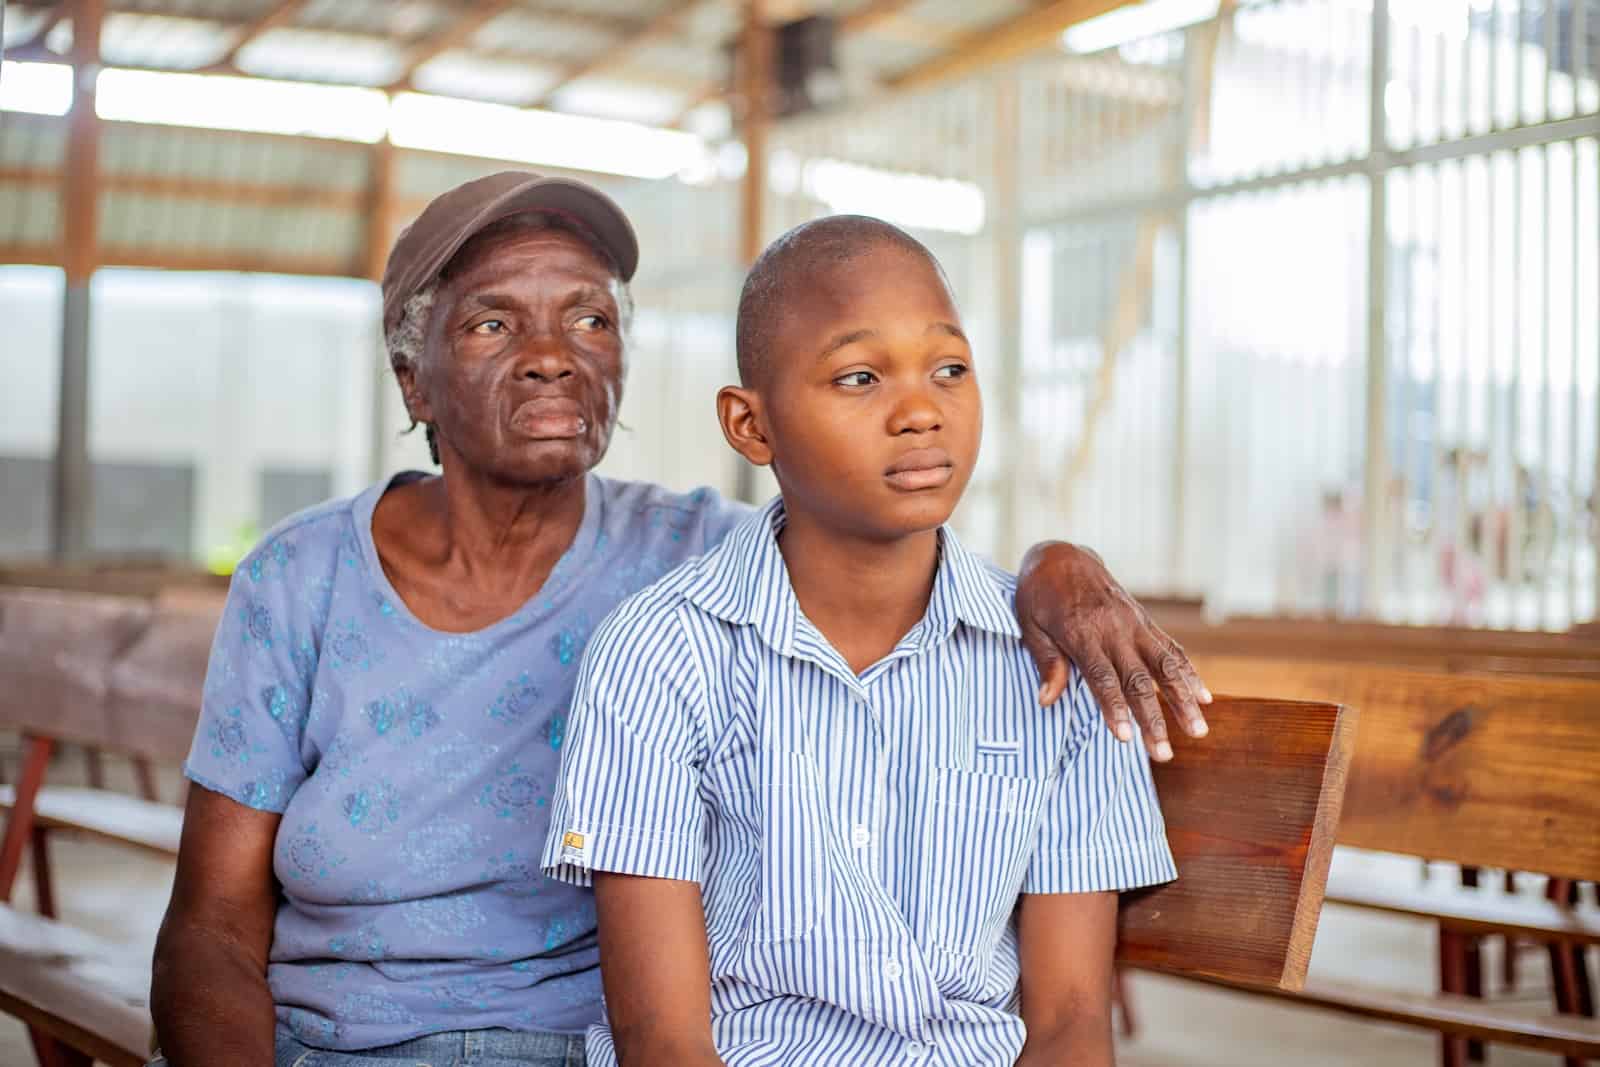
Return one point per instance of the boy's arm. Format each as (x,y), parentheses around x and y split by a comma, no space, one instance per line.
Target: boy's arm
(656,970)
(1066,942)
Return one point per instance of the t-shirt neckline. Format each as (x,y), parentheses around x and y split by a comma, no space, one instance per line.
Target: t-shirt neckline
(576,555)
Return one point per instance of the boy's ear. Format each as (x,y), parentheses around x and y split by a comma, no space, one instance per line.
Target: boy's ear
(739,412)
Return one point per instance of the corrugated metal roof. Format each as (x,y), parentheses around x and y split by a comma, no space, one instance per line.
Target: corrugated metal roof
(314,55)
(128,40)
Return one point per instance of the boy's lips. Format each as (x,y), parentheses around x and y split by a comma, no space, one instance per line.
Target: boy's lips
(921,468)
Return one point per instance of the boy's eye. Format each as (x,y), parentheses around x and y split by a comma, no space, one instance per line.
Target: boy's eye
(952,371)
(489,327)
(856,378)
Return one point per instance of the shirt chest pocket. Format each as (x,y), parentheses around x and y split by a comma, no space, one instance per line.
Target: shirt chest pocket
(792,874)
(981,832)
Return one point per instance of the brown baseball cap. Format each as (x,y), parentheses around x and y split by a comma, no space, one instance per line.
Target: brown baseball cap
(452,218)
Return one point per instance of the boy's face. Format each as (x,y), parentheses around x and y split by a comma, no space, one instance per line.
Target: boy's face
(869,412)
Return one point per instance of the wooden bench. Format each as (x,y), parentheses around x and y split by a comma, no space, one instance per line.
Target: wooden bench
(1484,771)
(130,684)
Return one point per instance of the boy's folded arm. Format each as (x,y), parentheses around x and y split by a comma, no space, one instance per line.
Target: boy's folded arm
(1066,942)
(656,969)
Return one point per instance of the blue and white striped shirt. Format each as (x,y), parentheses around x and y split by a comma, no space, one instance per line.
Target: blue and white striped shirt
(860,840)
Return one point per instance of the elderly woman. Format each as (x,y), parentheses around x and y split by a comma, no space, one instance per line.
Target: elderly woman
(385,705)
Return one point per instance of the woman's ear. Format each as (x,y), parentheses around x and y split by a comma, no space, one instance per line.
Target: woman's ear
(744,423)
(411,391)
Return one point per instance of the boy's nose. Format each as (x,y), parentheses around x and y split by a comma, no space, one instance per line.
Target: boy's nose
(915,413)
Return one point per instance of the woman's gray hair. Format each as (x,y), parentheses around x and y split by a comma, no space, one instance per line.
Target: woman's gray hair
(407,342)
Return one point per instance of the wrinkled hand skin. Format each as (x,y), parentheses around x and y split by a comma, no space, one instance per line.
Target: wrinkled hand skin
(1071,608)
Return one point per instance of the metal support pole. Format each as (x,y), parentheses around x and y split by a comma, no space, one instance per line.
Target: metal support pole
(1005,209)
(70,506)
(380,221)
(1375,487)
(754,77)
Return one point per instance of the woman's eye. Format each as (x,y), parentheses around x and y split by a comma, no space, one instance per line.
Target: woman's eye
(856,378)
(952,371)
(490,326)
(593,322)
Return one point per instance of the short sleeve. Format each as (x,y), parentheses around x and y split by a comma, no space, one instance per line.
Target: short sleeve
(627,796)
(1102,828)
(257,692)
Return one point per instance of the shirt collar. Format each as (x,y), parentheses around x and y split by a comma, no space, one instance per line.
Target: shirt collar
(744,581)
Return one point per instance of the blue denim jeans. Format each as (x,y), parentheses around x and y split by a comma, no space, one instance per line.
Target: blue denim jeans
(457,1048)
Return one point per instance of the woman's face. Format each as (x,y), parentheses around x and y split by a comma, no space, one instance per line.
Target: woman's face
(523,358)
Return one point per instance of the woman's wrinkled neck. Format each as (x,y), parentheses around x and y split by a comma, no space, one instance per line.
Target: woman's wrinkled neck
(492,525)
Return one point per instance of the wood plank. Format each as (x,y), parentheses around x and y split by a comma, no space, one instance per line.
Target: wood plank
(665,23)
(1031,30)
(1451,1014)
(154,689)
(1481,770)
(1474,911)
(275,14)
(112,817)
(1251,813)
(80,988)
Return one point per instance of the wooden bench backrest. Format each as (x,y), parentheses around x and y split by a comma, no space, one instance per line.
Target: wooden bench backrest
(56,651)
(1251,813)
(1482,770)
(98,670)
(1445,648)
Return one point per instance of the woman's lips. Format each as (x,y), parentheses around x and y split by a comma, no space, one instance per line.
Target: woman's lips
(549,418)
(921,468)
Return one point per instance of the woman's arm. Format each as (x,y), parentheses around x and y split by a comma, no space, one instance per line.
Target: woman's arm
(209,994)
(656,970)
(1066,942)
(1071,608)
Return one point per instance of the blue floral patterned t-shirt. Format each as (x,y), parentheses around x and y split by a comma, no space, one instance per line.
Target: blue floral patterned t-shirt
(413,769)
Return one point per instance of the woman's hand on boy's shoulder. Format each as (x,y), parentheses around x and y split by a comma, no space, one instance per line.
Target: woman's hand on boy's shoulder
(1072,609)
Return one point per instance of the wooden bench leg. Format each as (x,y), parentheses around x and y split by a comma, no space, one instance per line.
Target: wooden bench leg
(43,887)
(145,775)
(1452,979)
(1473,960)
(52,1053)
(19,827)
(1508,962)
(95,766)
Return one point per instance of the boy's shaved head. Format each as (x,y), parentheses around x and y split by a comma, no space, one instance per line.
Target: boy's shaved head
(778,275)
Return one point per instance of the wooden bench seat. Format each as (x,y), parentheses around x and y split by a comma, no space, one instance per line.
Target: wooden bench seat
(112,817)
(1459,1016)
(1473,911)
(80,989)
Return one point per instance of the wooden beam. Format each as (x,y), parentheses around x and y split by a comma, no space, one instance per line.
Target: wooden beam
(664,24)
(755,116)
(379,208)
(243,262)
(242,192)
(460,33)
(995,44)
(869,15)
(279,14)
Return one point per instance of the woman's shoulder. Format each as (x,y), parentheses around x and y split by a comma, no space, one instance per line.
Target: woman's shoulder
(307,542)
(703,516)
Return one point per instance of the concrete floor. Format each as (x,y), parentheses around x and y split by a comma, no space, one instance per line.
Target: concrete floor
(121,895)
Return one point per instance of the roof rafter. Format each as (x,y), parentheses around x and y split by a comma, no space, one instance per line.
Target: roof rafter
(460,32)
(279,14)
(663,24)
(34,47)
(1007,40)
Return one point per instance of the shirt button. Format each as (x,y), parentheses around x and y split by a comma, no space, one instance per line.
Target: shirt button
(916,1051)
(893,970)
(860,836)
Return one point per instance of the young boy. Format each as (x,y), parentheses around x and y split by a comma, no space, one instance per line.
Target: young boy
(825,821)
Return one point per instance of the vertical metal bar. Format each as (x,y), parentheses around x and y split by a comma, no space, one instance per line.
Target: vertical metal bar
(1437,364)
(1180,383)
(1463,527)
(1006,204)
(1594,485)
(1580,60)
(1544,529)
(1549,15)
(1517,59)
(1377,391)
(1575,514)
(1513,510)
(755,83)
(1494,65)
(1466,73)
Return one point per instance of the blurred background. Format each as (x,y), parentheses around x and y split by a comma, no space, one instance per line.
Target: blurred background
(1292,307)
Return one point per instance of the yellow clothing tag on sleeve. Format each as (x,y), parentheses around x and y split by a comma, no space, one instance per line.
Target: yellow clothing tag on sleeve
(575,847)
